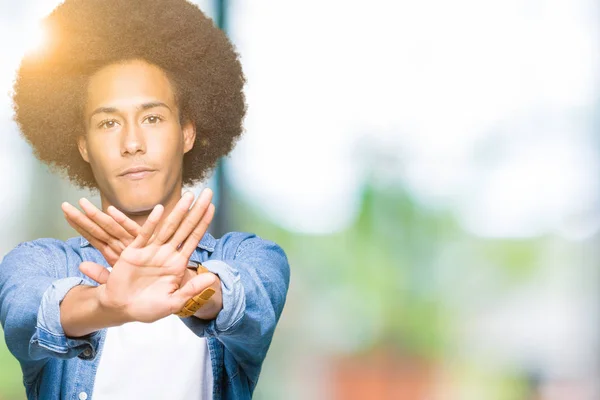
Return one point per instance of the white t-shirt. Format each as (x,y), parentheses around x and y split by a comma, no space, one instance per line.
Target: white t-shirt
(161,360)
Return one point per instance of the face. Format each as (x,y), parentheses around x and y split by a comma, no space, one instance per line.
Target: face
(134,140)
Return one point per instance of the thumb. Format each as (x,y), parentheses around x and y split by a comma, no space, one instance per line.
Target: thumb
(199,284)
(94,271)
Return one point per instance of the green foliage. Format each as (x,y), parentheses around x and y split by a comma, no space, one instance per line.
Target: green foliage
(10,375)
(391,268)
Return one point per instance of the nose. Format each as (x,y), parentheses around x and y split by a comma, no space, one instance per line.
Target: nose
(133,140)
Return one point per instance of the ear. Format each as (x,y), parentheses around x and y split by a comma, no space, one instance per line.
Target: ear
(189,135)
(82,146)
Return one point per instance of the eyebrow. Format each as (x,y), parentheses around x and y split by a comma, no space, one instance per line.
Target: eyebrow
(145,106)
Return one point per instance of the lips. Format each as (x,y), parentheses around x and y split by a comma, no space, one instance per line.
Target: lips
(138,172)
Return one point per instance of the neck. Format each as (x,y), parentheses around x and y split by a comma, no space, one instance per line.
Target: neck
(140,217)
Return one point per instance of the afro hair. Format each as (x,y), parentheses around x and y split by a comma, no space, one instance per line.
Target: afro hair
(86,35)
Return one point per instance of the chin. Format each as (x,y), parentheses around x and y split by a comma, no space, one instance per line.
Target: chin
(138,198)
(137,205)
(138,209)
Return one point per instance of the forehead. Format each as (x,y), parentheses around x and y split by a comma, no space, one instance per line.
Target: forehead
(127,84)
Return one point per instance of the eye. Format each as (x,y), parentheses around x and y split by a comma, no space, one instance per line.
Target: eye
(107,124)
(153,119)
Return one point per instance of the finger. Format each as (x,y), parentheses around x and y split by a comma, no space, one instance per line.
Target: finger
(86,224)
(109,254)
(105,222)
(148,228)
(194,286)
(192,218)
(174,219)
(94,271)
(191,243)
(89,230)
(127,223)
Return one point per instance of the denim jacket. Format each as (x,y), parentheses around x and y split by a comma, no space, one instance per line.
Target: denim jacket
(36,276)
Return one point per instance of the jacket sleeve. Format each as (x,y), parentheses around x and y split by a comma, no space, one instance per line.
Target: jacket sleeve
(254,281)
(33,283)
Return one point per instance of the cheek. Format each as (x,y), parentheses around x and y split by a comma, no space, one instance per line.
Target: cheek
(166,147)
(101,153)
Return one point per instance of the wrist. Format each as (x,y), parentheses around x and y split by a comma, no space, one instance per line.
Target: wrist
(212,308)
(206,304)
(115,313)
(83,311)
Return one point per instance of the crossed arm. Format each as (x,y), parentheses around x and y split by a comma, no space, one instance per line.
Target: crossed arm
(149,280)
(255,276)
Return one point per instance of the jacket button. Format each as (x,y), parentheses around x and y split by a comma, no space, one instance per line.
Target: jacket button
(87,353)
(83,396)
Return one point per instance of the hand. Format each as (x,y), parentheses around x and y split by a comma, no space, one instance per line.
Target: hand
(147,281)
(110,234)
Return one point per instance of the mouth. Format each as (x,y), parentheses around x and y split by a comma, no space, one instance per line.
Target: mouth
(136,173)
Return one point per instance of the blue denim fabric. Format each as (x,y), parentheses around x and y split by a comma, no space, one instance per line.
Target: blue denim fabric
(36,276)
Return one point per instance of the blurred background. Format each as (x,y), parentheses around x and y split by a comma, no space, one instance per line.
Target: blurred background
(431,168)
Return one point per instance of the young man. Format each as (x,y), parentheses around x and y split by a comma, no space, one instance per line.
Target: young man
(135,99)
